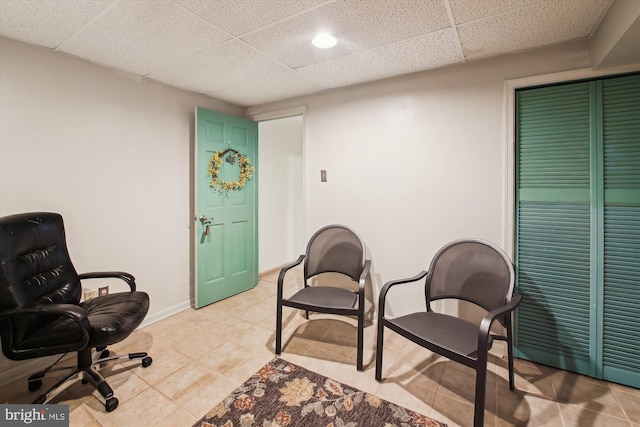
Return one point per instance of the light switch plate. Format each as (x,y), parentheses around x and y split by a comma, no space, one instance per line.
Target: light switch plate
(323,175)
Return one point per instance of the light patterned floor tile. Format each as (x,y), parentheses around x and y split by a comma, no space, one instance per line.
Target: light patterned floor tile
(200,356)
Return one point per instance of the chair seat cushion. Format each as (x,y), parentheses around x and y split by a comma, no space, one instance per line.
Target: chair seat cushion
(113,317)
(325,297)
(448,332)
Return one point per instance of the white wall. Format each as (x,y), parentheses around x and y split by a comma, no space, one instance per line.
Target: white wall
(111,153)
(108,151)
(417,161)
(280,192)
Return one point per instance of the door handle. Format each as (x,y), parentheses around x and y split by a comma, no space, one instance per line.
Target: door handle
(203,219)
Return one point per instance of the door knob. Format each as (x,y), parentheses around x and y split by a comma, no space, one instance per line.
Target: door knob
(204,219)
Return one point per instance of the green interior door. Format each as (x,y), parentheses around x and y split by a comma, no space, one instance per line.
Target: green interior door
(225,223)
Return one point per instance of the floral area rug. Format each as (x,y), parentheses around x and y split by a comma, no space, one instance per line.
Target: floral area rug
(283,394)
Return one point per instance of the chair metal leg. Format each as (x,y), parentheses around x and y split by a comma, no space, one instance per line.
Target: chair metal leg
(129,356)
(58,387)
(481,383)
(510,357)
(379,345)
(360,340)
(278,348)
(98,382)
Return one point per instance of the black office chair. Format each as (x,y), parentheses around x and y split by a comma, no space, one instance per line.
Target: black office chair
(469,270)
(40,309)
(332,249)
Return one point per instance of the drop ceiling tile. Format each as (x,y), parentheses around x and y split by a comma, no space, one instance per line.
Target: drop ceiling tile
(430,51)
(357,24)
(282,86)
(546,23)
(472,10)
(143,35)
(46,22)
(240,16)
(223,66)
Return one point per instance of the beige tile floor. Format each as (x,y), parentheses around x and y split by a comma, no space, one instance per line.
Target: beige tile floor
(202,355)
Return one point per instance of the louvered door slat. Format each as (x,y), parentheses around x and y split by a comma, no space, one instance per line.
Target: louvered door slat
(621,263)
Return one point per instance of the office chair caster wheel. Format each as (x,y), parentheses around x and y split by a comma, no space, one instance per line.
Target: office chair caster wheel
(105,354)
(111,404)
(34,385)
(146,362)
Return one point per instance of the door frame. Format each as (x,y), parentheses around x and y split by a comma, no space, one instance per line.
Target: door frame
(281,114)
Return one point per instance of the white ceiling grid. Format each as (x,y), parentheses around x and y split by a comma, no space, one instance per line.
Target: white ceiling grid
(250,52)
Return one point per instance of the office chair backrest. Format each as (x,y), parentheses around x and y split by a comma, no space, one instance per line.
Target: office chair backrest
(472,270)
(34,262)
(335,248)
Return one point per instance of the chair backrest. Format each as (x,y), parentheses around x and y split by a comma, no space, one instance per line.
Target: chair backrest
(472,270)
(35,267)
(335,249)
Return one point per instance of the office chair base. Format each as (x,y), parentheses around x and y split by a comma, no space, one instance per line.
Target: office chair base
(87,373)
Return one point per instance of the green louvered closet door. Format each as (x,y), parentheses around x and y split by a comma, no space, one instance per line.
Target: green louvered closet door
(578,227)
(621,230)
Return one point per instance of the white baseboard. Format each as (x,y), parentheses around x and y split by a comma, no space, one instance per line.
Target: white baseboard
(157,316)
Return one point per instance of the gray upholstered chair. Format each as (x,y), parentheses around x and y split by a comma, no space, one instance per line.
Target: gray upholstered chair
(469,270)
(332,249)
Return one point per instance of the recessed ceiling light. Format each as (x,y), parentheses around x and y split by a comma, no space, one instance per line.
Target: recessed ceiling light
(324,41)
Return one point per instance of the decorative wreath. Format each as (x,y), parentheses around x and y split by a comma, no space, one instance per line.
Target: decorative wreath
(246,171)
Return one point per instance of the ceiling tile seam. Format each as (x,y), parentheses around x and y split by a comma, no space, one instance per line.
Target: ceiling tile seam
(288,68)
(239,84)
(172,64)
(508,12)
(265,78)
(360,52)
(250,46)
(324,87)
(456,36)
(88,24)
(202,18)
(178,62)
(288,18)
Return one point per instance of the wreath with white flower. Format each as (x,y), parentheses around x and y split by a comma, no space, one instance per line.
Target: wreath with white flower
(215,164)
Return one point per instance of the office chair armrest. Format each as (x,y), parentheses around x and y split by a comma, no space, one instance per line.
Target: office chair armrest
(74,312)
(383,292)
(487,321)
(284,271)
(77,313)
(126,277)
(363,277)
